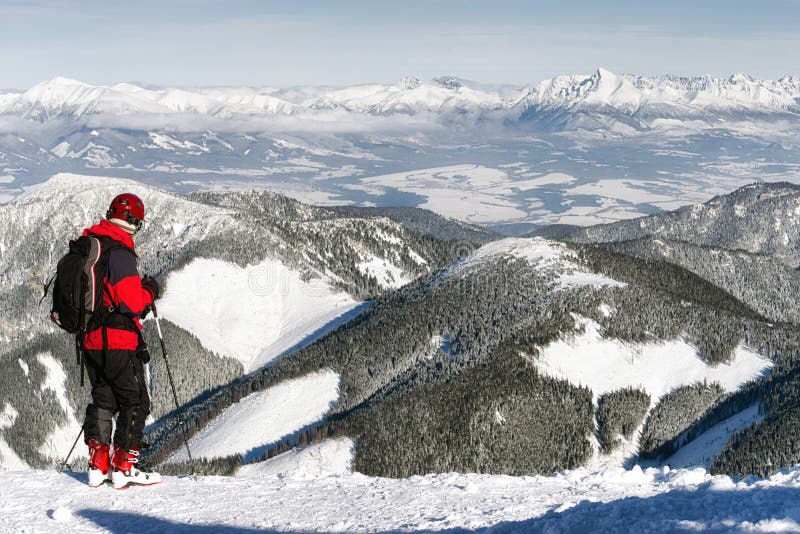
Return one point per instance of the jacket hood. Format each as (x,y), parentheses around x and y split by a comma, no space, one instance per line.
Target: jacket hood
(107,229)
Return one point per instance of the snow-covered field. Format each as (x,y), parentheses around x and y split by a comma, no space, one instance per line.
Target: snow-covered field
(472,193)
(313,492)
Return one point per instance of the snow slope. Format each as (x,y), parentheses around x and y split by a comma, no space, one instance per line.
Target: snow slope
(264,417)
(8,458)
(710,443)
(548,256)
(254,313)
(605,365)
(653,500)
(60,439)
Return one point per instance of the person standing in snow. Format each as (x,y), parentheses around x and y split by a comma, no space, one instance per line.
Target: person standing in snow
(115,353)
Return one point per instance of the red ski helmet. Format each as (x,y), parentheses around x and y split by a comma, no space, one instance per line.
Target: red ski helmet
(127,207)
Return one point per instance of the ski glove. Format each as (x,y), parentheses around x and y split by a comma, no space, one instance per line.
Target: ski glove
(143,353)
(151,284)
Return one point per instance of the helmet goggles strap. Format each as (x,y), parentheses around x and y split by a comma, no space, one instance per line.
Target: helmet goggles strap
(135,222)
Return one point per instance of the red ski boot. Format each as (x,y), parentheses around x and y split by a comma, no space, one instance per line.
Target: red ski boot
(125,471)
(98,463)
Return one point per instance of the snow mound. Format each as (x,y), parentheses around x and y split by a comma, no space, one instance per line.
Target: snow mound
(605,365)
(549,257)
(61,514)
(265,417)
(331,457)
(253,313)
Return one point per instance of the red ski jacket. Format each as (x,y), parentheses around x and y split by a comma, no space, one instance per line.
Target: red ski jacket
(123,291)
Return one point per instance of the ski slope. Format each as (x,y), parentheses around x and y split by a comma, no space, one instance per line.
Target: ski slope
(252,313)
(701,450)
(280,496)
(264,417)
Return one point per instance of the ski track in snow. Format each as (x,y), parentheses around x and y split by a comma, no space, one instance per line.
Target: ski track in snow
(287,500)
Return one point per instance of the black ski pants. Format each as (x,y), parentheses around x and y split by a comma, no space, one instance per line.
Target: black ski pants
(118,387)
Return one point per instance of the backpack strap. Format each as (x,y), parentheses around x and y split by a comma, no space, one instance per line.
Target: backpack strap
(109,317)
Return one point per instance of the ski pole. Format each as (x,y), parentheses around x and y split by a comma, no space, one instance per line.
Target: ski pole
(174,392)
(69,454)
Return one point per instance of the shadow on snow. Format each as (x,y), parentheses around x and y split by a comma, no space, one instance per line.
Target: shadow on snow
(710,510)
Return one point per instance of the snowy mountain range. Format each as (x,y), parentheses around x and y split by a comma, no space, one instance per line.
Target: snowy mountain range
(675,369)
(461,370)
(602,91)
(647,101)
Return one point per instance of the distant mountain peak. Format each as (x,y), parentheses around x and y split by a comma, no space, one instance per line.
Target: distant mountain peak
(449,82)
(409,82)
(741,77)
(604,73)
(56,81)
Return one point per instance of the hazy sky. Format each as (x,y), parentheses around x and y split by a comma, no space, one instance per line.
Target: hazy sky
(205,42)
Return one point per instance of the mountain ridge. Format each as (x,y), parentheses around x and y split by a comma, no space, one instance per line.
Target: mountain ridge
(631,95)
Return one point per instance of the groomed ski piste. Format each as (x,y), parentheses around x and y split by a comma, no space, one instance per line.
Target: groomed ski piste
(312,491)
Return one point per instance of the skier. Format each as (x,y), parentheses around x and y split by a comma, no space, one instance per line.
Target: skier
(115,354)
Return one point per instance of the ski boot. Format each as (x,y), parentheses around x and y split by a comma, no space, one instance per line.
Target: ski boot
(98,463)
(125,471)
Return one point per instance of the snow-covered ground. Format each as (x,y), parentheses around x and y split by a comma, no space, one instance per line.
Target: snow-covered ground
(254,313)
(264,417)
(296,493)
(472,193)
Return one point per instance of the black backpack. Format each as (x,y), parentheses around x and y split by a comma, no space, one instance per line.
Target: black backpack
(78,285)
